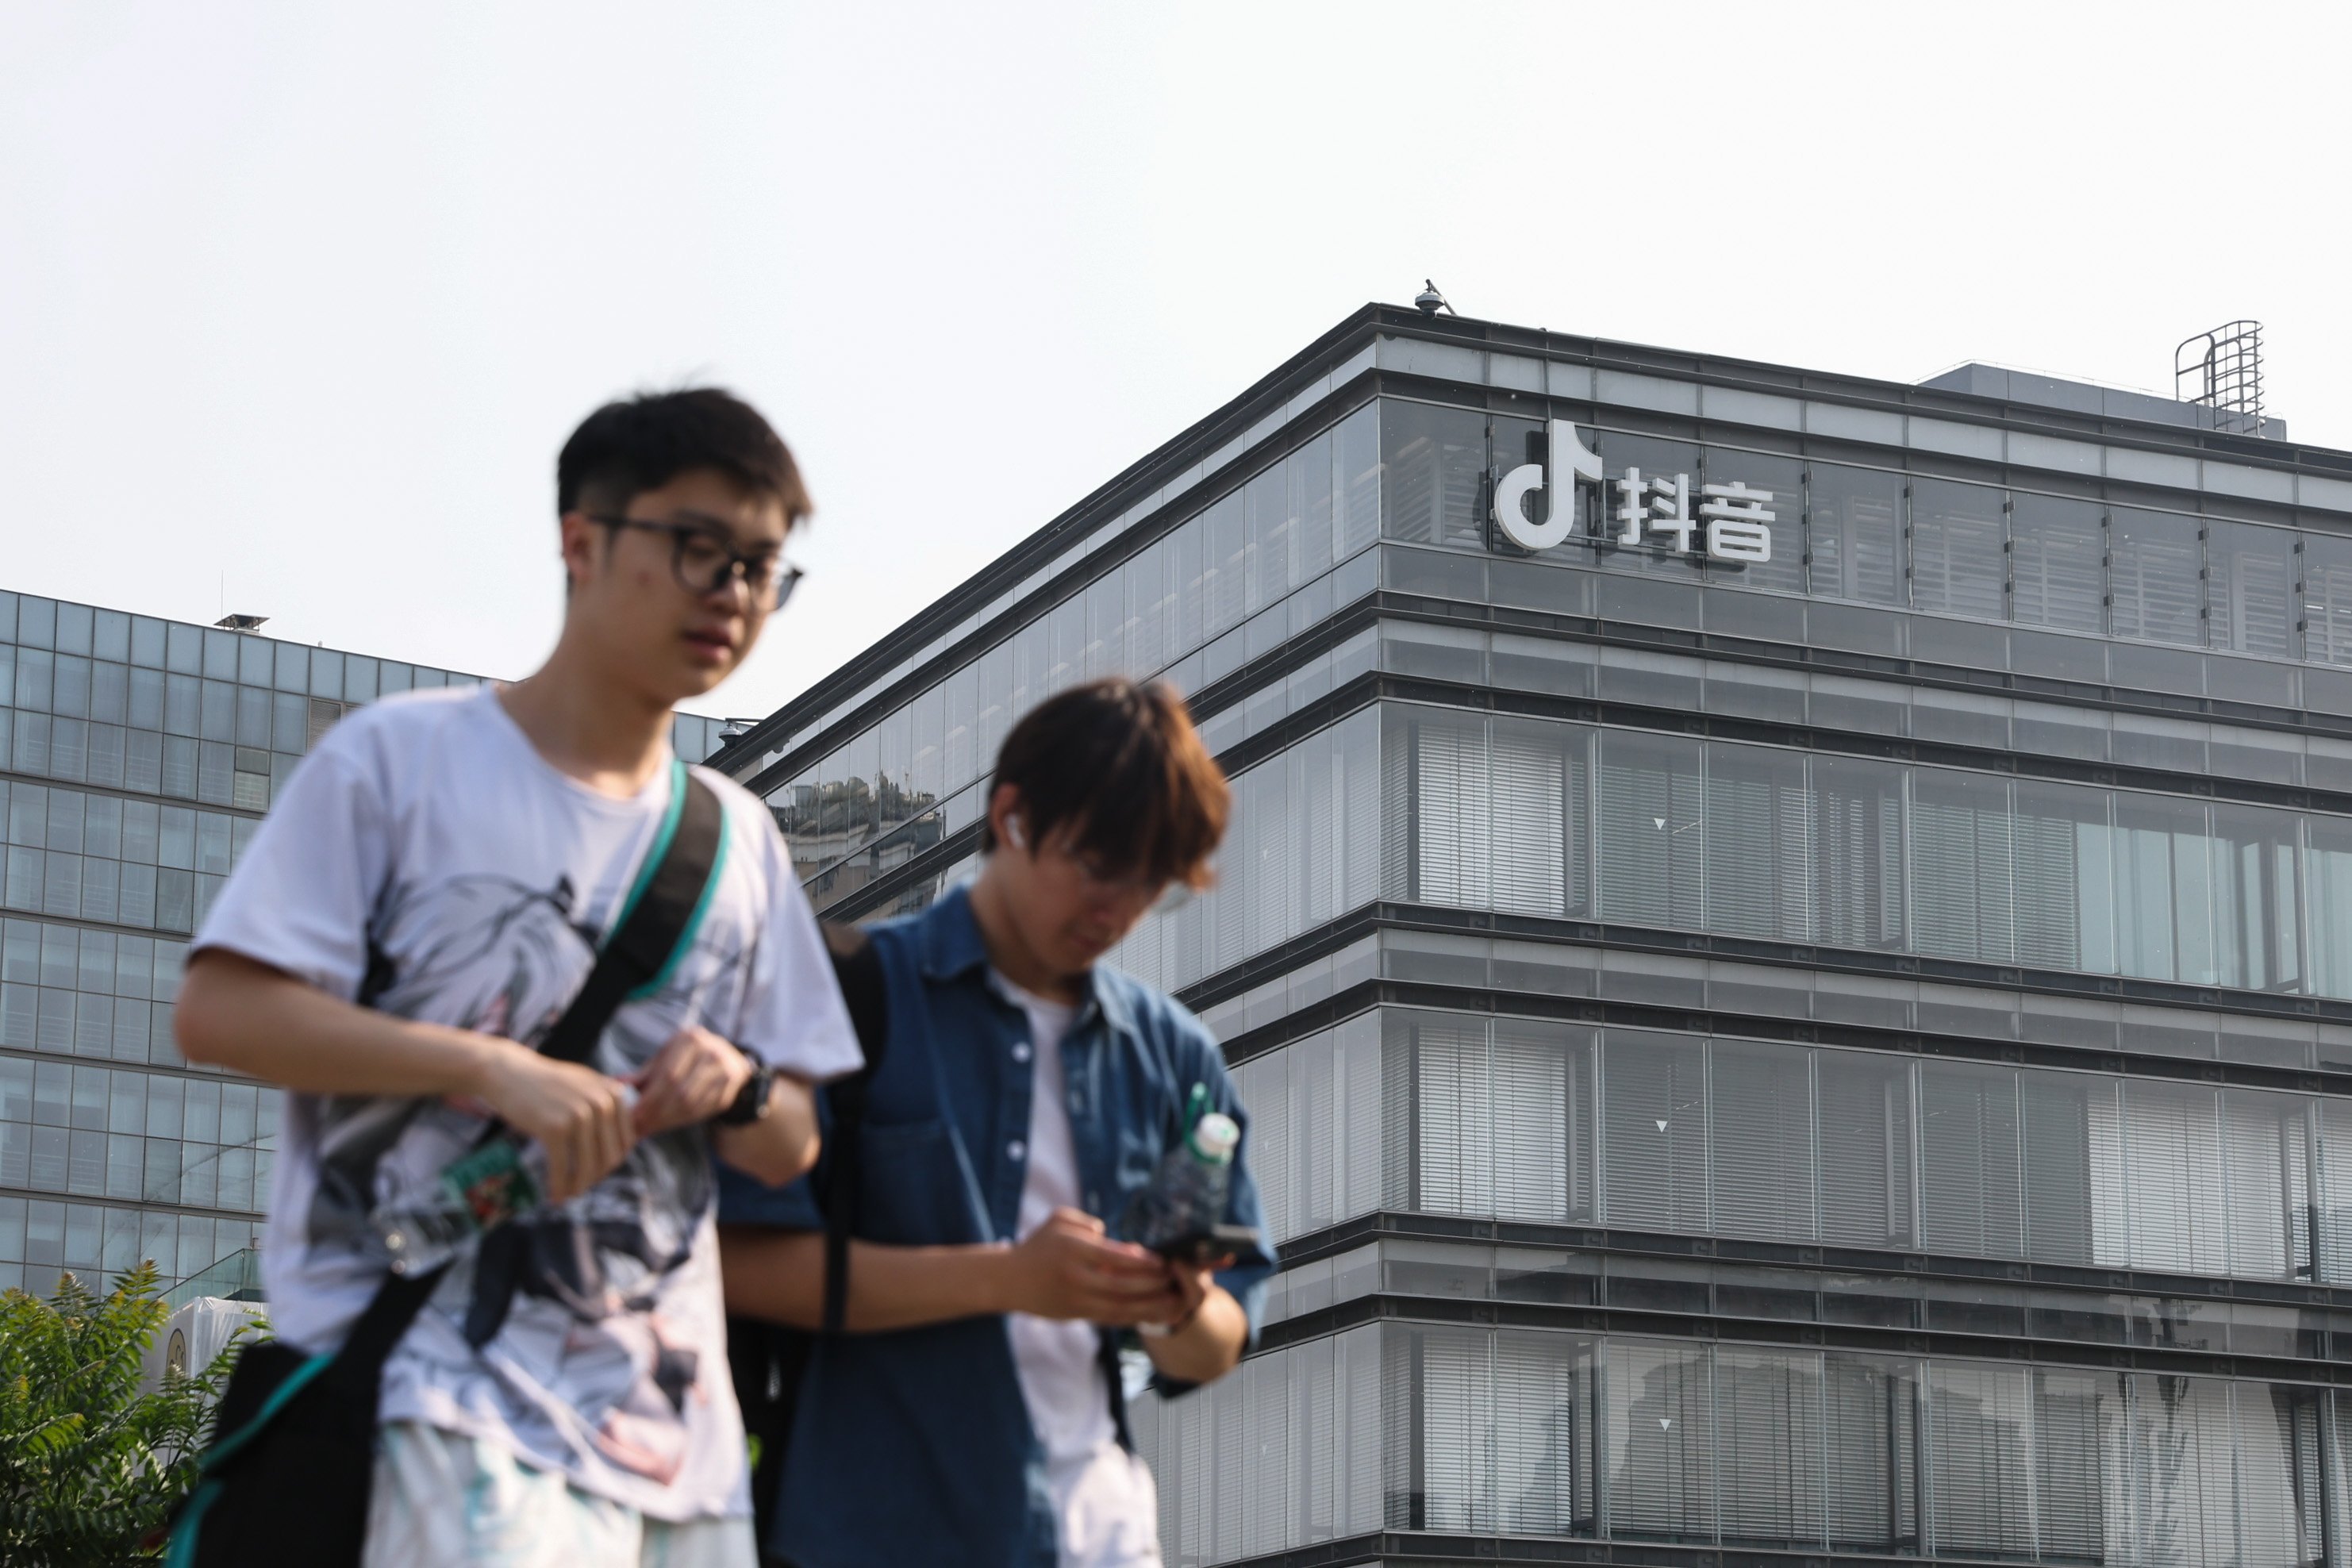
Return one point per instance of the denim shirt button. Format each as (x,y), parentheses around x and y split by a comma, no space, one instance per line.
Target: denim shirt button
(1021,1051)
(1077,1104)
(1017,1148)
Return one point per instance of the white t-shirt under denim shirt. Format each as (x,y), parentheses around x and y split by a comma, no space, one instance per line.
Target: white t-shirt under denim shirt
(426,833)
(1103,1498)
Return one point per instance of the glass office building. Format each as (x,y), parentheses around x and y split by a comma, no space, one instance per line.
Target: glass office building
(136,757)
(1839,1049)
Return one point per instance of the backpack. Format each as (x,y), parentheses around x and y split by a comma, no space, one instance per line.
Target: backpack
(770,1361)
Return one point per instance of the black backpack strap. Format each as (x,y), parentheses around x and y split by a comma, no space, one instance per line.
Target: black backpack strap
(858,970)
(657,922)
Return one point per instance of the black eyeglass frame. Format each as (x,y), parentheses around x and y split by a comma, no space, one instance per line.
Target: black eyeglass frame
(734,566)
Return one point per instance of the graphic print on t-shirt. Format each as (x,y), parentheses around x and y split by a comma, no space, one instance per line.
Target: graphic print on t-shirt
(489,953)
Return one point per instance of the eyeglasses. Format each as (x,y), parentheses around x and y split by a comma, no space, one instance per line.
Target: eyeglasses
(704,561)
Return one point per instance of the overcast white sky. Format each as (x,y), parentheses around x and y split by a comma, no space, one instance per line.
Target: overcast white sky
(304,298)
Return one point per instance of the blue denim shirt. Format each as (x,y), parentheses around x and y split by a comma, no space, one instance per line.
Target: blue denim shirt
(915,1447)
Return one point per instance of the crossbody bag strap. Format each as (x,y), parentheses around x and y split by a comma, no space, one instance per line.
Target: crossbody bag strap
(659,918)
(857,967)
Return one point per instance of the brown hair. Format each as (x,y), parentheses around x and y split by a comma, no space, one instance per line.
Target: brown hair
(1122,764)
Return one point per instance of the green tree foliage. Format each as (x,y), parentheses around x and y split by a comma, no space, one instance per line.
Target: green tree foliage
(89,1467)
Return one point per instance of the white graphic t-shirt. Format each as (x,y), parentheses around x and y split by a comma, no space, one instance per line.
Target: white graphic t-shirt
(425,853)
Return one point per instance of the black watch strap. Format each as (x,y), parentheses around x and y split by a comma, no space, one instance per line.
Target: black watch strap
(751,1102)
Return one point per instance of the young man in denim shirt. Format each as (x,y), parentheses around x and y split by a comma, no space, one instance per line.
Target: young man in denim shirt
(973,1413)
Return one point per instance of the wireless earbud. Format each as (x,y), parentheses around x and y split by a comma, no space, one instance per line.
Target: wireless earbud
(1013,831)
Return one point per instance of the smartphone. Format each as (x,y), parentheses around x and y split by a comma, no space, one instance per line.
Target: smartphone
(1200,1248)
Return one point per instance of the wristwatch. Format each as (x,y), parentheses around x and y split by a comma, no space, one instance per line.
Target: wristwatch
(752,1103)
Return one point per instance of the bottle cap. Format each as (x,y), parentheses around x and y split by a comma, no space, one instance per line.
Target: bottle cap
(1215,1137)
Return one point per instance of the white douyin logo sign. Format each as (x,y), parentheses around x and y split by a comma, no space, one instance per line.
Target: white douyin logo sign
(1511,495)
(1736,521)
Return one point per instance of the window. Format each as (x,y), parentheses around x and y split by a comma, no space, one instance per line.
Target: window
(1759,843)
(2172,1133)
(2163,908)
(1858,898)
(2073,1169)
(2058,563)
(1653,843)
(1762,1167)
(1960,866)
(1958,553)
(2255,930)
(1546,1429)
(2251,589)
(2156,576)
(1438,816)
(1853,534)
(1873,1417)
(2327,598)
(1660,1442)
(1542,1096)
(1968,1151)
(1866,1119)
(1770,1432)
(1542,802)
(1654,1097)
(1983,1498)
(1434,462)
(2063,870)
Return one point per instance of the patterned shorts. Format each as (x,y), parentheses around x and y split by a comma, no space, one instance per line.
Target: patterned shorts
(438,1498)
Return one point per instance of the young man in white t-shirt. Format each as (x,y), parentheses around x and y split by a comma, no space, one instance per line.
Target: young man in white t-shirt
(974,1412)
(452,860)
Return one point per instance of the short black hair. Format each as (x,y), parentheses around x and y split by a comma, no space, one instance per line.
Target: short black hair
(1120,764)
(641,443)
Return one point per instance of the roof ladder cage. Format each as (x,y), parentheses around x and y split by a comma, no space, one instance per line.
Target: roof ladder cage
(2223,369)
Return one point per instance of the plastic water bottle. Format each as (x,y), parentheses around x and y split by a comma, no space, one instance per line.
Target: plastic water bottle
(1187,1195)
(480,1191)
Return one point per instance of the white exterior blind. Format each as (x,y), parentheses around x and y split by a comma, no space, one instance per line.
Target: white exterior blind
(2268,1141)
(1541,797)
(1453,1151)
(1542,1097)
(2173,1132)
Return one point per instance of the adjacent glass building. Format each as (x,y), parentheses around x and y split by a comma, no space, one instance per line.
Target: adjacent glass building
(1846,1054)
(136,757)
